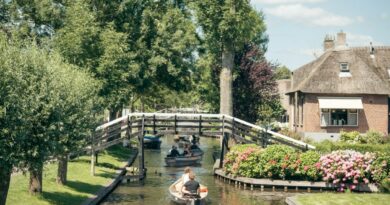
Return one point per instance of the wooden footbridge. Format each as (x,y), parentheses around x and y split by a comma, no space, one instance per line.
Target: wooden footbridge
(136,125)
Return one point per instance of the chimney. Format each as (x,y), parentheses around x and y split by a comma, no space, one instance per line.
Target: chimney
(328,43)
(341,39)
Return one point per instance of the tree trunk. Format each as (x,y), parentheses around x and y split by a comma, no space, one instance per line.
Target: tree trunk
(115,113)
(62,171)
(225,82)
(35,185)
(5,176)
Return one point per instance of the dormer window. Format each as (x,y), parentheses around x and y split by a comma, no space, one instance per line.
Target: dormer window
(344,67)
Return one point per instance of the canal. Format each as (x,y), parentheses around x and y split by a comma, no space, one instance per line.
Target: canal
(159,177)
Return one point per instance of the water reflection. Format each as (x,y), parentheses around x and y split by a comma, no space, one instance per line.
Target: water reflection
(159,177)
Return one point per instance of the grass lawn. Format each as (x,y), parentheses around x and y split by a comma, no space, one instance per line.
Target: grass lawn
(344,199)
(80,186)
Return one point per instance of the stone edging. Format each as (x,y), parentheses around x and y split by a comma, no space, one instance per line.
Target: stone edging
(104,191)
(292,200)
(288,183)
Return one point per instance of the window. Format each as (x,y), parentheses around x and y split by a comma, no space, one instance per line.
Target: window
(339,117)
(325,117)
(344,67)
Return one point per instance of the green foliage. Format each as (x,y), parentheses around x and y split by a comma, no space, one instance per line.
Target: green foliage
(381,167)
(77,40)
(309,166)
(327,146)
(385,185)
(373,137)
(282,72)
(278,161)
(81,184)
(349,136)
(243,147)
(242,160)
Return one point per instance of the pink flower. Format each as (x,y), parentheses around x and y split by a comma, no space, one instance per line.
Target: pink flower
(305,168)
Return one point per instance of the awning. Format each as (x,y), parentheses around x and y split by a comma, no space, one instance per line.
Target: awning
(340,102)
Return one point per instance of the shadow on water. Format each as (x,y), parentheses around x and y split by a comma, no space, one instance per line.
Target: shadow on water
(159,177)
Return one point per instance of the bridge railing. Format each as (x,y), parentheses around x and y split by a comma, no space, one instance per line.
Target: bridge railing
(130,126)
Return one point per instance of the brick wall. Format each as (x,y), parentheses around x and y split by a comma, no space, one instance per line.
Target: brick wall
(373,116)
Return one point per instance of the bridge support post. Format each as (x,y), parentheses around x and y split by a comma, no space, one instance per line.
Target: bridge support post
(224,148)
(141,150)
(264,138)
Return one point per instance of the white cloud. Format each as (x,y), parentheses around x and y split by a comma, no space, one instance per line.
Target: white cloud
(285,1)
(361,40)
(360,19)
(313,16)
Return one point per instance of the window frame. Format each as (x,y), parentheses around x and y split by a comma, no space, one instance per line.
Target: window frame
(346,69)
(328,112)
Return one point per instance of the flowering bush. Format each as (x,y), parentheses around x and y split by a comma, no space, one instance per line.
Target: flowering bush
(346,166)
(381,168)
(309,166)
(278,161)
(242,160)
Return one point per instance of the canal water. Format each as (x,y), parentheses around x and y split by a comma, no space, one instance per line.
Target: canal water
(154,191)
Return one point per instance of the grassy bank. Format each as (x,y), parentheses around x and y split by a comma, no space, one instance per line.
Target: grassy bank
(80,186)
(345,199)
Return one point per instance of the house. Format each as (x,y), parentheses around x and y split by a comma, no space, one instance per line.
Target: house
(343,89)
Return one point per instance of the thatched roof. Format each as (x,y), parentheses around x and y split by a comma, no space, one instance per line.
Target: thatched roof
(369,75)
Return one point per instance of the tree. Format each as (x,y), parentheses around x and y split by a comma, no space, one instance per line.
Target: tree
(76,110)
(282,72)
(255,89)
(78,39)
(227,26)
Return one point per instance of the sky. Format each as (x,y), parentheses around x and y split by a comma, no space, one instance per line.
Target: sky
(297,28)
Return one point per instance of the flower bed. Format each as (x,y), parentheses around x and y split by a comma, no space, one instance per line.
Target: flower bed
(344,168)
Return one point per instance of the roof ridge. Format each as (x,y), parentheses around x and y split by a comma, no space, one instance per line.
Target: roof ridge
(312,72)
(368,47)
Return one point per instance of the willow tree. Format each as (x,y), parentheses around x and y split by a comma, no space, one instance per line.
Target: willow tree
(227,25)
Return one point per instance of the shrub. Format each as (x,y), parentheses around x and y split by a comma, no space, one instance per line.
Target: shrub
(243,147)
(381,167)
(229,160)
(350,137)
(327,146)
(385,185)
(248,161)
(374,137)
(310,167)
(242,159)
(278,161)
(346,166)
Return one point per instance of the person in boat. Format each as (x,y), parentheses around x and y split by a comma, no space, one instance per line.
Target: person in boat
(192,187)
(187,151)
(186,175)
(194,146)
(173,152)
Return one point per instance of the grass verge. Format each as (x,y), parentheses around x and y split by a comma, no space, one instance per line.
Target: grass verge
(81,185)
(343,198)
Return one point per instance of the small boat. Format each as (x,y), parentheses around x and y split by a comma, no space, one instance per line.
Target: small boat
(177,196)
(197,152)
(181,161)
(152,142)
